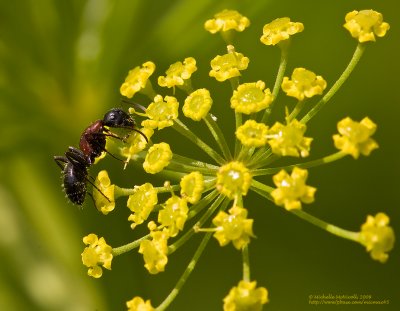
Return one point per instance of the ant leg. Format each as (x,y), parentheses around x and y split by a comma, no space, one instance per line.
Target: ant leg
(103,148)
(59,160)
(101,192)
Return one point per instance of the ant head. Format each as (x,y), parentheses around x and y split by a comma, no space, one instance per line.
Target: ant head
(118,118)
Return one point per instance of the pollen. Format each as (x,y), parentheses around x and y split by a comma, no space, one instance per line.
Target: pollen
(155,252)
(192,186)
(197,104)
(104,200)
(246,296)
(252,134)
(178,72)
(96,255)
(227,20)
(161,112)
(141,203)
(174,215)
(137,79)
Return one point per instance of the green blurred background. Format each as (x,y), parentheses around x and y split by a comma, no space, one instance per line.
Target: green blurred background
(61,65)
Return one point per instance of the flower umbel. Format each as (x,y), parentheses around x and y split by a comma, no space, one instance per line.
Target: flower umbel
(190,195)
(365,25)
(292,189)
(377,236)
(96,255)
(246,296)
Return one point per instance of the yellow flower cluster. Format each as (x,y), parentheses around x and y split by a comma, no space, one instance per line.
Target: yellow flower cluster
(96,255)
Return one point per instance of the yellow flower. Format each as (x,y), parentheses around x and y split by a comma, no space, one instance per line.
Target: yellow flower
(137,79)
(138,304)
(252,134)
(227,20)
(233,179)
(365,25)
(246,297)
(96,255)
(304,83)
(157,158)
(197,104)
(136,143)
(161,112)
(228,65)
(250,98)
(103,183)
(354,137)
(289,140)
(141,203)
(292,189)
(174,215)
(155,251)
(377,236)
(192,186)
(177,73)
(233,227)
(280,29)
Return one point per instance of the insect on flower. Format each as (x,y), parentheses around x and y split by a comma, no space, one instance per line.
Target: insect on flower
(92,143)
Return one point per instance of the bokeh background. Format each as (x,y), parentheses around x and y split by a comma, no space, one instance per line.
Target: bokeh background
(61,65)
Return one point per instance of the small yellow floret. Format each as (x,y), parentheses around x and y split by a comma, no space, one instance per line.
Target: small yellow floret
(96,255)
(138,304)
(136,143)
(354,137)
(192,186)
(103,183)
(251,97)
(228,65)
(174,215)
(365,25)
(303,83)
(233,179)
(252,134)
(233,227)
(280,29)
(157,158)
(377,236)
(141,203)
(246,297)
(178,73)
(289,140)
(227,20)
(155,251)
(292,189)
(137,79)
(197,104)
(161,112)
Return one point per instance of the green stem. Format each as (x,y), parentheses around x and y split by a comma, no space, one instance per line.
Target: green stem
(128,247)
(336,86)
(262,189)
(265,191)
(184,168)
(210,211)
(196,163)
(325,160)
(246,263)
(278,81)
(346,234)
(184,130)
(296,110)
(195,209)
(218,136)
(185,274)
(238,123)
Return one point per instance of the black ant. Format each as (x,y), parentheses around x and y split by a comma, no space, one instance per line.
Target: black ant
(92,143)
